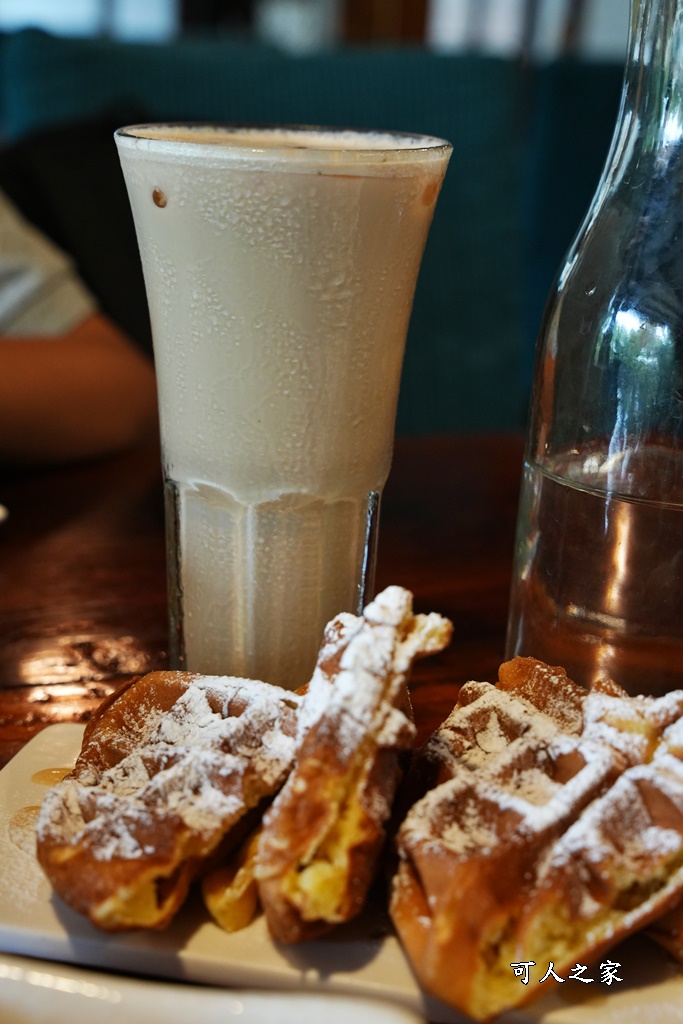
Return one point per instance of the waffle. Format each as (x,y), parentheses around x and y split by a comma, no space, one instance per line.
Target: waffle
(667,930)
(323,833)
(530,700)
(230,892)
(554,830)
(167,773)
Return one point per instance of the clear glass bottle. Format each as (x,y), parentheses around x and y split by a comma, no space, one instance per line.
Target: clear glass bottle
(598,576)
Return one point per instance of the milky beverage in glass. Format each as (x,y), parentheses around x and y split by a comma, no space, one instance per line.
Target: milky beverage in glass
(280,267)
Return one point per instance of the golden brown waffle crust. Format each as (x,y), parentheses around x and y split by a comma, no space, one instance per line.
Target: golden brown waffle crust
(166,770)
(323,834)
(548,836)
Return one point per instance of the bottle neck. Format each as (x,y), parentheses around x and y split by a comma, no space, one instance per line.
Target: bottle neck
(616,323)
(645,161)
(652,99)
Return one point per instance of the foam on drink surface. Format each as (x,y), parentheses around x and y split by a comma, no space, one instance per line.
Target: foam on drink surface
(243,143)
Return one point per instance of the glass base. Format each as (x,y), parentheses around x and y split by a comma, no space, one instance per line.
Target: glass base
(251,587)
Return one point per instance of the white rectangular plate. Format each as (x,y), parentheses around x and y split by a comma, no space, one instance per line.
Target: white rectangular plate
(360,960)
(38,992)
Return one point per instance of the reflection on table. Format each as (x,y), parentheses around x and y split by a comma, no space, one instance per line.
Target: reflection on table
(82,574)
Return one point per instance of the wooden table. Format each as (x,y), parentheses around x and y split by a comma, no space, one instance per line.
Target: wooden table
(82,579)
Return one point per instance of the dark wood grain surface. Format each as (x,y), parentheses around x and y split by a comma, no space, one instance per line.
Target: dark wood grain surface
(82,579)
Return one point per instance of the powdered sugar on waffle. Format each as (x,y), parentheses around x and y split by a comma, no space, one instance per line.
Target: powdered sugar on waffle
(337,635)
(363,665)
(556,843)
(325,829)
(482,726)
(631,725)
(192,764)
(519,795)
(619,841)
(512,774)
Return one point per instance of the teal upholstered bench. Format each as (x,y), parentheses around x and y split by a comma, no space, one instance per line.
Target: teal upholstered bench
(468,354)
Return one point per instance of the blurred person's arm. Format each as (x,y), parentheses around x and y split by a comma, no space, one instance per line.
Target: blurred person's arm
(85,393)
(72,385)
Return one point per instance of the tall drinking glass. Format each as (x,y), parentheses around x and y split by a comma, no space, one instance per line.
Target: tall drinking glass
(280,266)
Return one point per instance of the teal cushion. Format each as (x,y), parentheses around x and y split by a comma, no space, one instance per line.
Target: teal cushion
(3,115)
(572,120)
(462,367)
